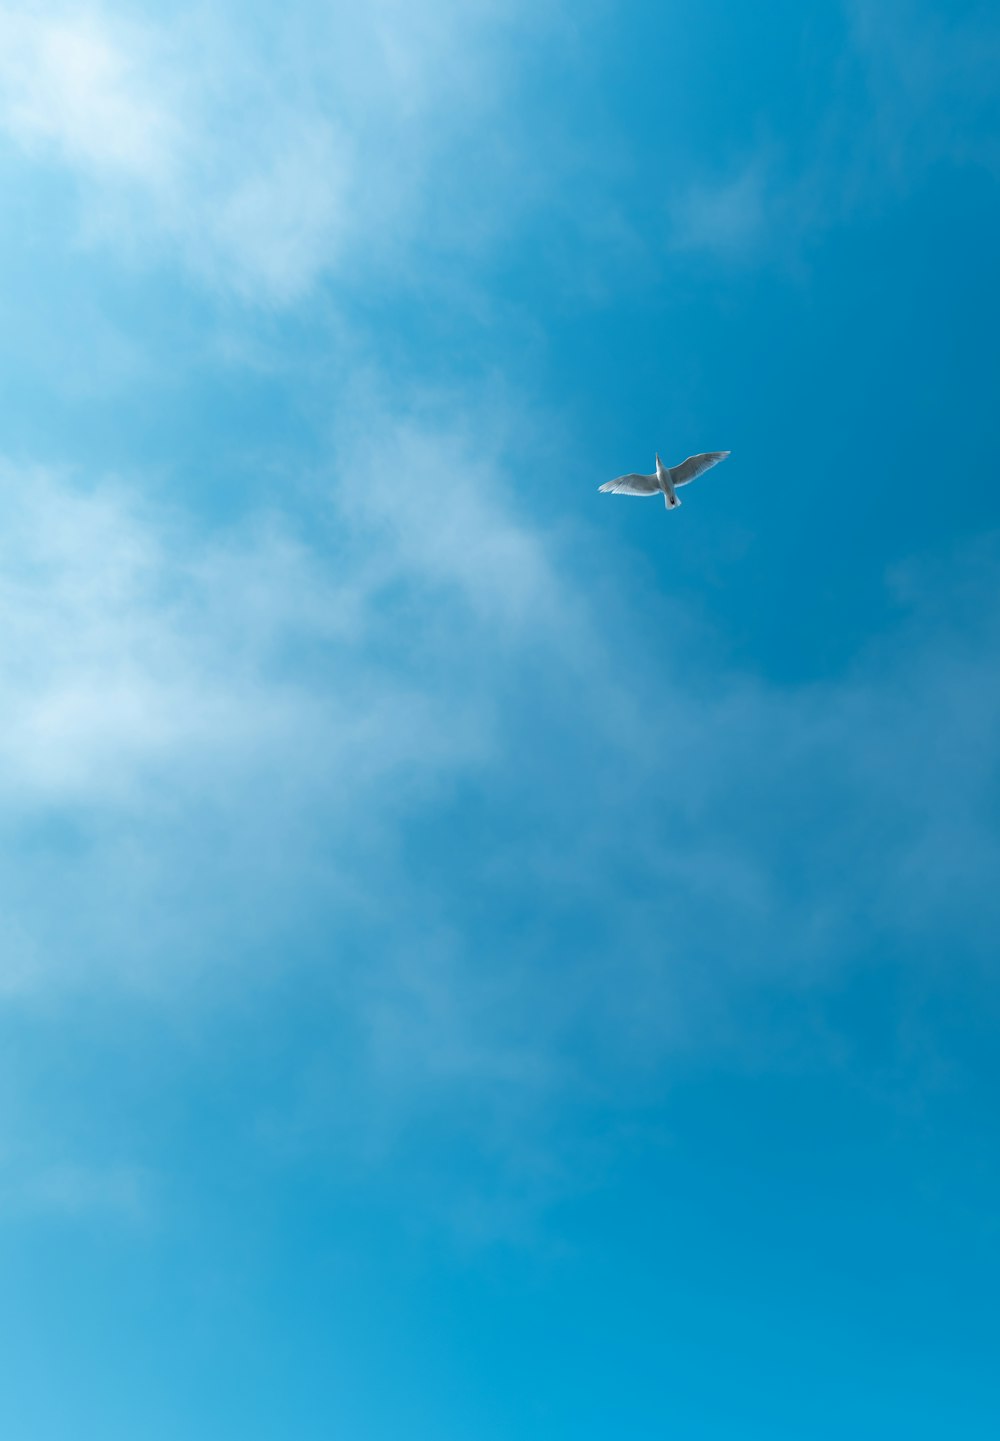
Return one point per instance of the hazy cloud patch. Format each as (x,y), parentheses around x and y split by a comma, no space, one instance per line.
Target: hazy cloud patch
(261,157)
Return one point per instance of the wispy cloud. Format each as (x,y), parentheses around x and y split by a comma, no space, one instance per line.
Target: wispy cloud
(924,95)
(76,1192)
(262,157)
(75,85)
(525,858)
(261,696)
(228,734)
(729,217)
(932,82)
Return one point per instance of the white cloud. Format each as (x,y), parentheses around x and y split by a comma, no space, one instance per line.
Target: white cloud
(262,155)
(133,642)
(75,86)
(190,718)
(243,710)
(534,855)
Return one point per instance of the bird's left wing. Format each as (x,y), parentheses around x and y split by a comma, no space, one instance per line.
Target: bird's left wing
(696,465)
(631,485)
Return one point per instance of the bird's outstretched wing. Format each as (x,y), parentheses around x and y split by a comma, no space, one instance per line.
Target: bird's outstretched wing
(632,485)
(696,465)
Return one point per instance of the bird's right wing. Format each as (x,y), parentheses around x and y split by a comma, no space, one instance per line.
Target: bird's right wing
(632,485)
(696,465)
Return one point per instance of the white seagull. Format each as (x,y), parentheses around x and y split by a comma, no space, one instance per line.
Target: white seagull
(666,478)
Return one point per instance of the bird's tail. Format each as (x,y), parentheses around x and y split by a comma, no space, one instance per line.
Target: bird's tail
(671,502)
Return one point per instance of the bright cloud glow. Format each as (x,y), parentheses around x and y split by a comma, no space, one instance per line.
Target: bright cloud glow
(260,162)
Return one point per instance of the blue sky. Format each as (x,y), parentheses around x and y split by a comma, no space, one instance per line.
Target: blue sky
(479,958)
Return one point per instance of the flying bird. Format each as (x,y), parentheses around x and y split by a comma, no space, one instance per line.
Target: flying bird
(665,479)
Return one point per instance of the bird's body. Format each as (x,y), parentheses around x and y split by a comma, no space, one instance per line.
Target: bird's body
(666,478)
